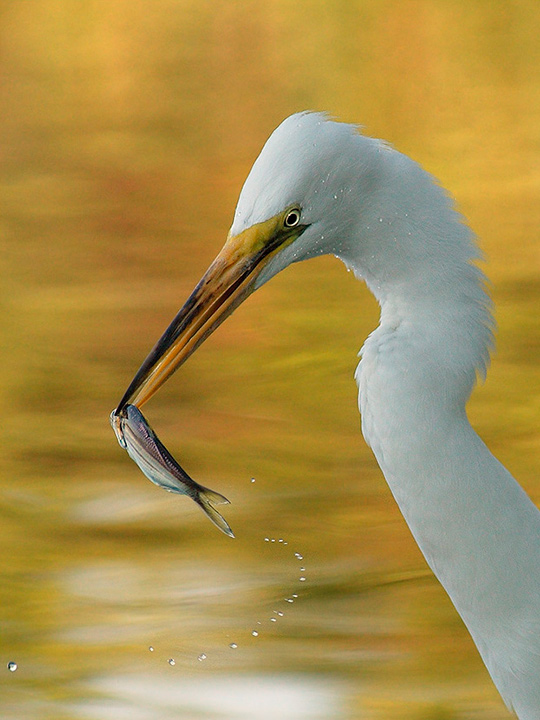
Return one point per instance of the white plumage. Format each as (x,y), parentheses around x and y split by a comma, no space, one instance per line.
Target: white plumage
(393,225)
(390,222)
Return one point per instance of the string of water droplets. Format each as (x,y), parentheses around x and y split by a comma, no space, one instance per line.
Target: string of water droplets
(277,614)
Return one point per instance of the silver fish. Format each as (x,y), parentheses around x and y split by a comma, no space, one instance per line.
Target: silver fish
(145,448)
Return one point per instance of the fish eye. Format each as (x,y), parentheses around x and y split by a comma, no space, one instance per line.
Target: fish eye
(292,218)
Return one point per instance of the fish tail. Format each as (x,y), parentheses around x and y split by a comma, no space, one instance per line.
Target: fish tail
(207,498)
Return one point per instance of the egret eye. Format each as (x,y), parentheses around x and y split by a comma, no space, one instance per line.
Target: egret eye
(292,218)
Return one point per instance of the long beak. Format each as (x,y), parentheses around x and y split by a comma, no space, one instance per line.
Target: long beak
(229,280)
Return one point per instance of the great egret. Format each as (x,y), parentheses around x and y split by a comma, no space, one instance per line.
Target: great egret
(319,187)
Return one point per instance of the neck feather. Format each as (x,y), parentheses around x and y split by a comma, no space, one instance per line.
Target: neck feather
(476,527)
(418,257)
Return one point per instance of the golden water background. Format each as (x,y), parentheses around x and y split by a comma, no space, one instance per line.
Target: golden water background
(127,129)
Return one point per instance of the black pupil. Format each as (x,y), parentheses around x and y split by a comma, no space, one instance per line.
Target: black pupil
(292,218)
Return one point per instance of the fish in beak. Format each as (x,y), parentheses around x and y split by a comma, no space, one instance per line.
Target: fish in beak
(145,448)
(229,280)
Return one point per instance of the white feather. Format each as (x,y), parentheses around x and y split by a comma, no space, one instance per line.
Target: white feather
(390,221)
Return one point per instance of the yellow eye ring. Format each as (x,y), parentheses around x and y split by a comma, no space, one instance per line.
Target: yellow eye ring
(292,218)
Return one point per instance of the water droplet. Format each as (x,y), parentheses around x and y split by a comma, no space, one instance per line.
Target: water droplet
(280,540)
(295,596)
(302,579)
(273,540)
(289,600)
(266,539)
(302,569)
(252,480)
(201,657)
(12,666)
(278,612)
(298,556)
(171,661)
(151,649)
(273,619)
(233,646)
(255,633)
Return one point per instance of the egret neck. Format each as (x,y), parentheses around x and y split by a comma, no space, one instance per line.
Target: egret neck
(477,528)
(321,187)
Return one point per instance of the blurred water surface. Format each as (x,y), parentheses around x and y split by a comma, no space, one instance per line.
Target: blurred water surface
(127,130)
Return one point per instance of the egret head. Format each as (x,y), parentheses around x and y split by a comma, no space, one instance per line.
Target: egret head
(295,204)
(317,167)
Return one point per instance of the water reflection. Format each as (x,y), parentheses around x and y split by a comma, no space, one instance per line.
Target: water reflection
(128,130)
(228,697)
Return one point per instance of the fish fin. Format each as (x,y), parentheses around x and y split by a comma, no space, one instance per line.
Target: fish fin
(205,498)
(214,497)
